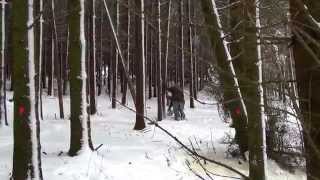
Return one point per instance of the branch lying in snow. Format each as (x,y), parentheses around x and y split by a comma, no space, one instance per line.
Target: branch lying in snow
(194,172)
(194,153)
(97,148)
(206,171)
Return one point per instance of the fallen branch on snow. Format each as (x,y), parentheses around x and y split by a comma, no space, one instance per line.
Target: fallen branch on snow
(194,153)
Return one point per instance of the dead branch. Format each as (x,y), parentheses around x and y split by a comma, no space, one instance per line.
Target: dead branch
(155,123)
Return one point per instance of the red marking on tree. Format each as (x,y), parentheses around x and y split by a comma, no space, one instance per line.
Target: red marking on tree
(237,111)
(22,110)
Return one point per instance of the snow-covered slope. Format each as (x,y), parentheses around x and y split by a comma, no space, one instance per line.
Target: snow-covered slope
(127,154)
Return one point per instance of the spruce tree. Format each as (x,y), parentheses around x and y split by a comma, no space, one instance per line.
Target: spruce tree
(26,152)
(78,100)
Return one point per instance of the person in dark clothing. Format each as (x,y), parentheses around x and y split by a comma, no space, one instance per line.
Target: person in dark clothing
(177,102)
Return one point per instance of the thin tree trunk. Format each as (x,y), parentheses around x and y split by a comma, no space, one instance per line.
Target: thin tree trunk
(40,59)
(100,62)
(109,77)
(124,96)
(92,62)
(150,63)
(3,35)
(195,66)
(59,79)
(56,60)
(165,70)
(51,65)
(116,60)
(54,47)
(5,97)
(159,63)
(190,41)
(181,45)
(65,66)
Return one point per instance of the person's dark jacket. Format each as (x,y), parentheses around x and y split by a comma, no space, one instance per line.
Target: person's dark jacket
(177,94)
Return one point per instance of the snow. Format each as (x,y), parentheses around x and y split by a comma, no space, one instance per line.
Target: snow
(131,155)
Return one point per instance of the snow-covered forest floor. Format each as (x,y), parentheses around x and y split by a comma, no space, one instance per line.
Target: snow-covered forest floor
(131,155)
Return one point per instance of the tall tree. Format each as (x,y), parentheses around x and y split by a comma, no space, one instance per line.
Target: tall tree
(3,61)
(166,55)
(251,90)
(190,55)
(56,60)
(230,84)
(125,83)
(115,60)
(92,60)
(140,71)
(239,118)
(304,15)
(77,62)
(26,152)
(122,60)
(59,57)
(41,54)
(181,45)
(159,62)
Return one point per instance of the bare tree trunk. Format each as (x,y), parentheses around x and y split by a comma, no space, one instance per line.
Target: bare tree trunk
(140,72)
(116,60)
(78,96)
(59,79)
(190,41)
(159,64)
(165,70)
(92,60)
(100,45)
(306,55)
(51,66)
(26,153)
(65,71)
(195,66)
(251,92)
(41,50)
(56,61)
(124,96)
(176,75)
(3,35)
(181,44)
(150,62)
